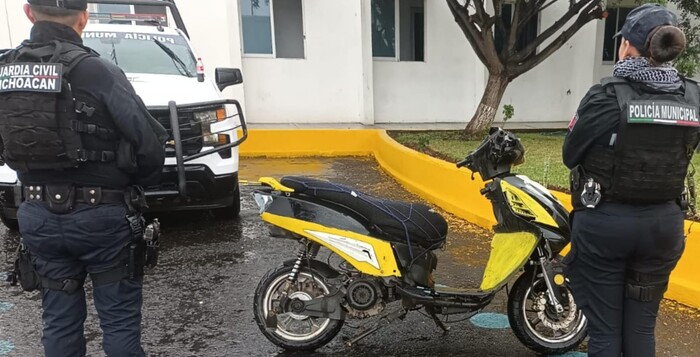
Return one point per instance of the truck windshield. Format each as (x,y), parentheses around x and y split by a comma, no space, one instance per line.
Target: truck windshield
(143,52)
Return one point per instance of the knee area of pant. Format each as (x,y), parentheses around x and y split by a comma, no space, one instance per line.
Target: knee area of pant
(644,287)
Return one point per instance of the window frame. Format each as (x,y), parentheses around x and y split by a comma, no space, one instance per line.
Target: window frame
(397,36)
(273,55)
(616,42)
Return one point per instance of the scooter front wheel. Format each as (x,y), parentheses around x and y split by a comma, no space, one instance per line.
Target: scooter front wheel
(535,322)
(294,332)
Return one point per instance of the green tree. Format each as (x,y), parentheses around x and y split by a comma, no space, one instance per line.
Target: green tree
(510,61)
(690,23)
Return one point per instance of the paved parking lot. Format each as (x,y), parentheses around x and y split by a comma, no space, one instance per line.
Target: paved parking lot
(198,302)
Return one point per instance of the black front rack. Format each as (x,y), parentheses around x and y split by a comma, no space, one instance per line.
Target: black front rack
(180,158)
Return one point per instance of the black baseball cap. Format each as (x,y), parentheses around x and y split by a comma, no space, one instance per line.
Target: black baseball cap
(642,21)
(65,4)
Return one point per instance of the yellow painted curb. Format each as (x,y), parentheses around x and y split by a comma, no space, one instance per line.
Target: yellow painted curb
(308,142)
(439,182)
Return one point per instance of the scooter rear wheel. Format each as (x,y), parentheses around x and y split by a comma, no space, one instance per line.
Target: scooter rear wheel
(535,322)
(294,332)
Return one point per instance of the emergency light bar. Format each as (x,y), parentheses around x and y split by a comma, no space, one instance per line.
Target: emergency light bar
(128,17)
(170,4)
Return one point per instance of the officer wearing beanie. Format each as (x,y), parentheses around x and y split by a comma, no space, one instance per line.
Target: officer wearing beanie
(82,143)
(629,147)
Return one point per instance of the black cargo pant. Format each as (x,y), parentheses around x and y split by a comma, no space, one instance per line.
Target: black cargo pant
(84,241)
(607,242)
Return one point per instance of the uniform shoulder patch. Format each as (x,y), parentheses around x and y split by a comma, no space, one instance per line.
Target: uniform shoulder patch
(31,77)
(573,121)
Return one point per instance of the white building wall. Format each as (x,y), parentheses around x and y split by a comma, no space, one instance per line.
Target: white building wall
(446,87)
(14,25)
(214,36)
(552,91)
(339,82)
(329,85)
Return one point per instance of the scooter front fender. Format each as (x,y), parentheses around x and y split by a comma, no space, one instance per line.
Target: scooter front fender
(509,252)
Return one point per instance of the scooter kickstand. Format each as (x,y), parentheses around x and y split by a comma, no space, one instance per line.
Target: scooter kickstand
(383,321)
(445,329)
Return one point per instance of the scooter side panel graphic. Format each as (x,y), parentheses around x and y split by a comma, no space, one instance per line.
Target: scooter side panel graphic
(382,251)
(525,206)
(360,251)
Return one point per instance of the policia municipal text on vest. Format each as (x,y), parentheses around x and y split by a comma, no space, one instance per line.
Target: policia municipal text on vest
(647,158)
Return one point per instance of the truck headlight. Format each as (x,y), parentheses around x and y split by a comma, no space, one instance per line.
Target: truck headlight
(208,118)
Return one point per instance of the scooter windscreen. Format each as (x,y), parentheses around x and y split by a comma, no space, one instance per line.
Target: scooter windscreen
(496,155)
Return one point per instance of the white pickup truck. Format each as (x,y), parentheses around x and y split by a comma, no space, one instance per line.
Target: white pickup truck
(201,166)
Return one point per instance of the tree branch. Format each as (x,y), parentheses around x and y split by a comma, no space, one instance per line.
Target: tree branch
(592,11)
(461,15)
(514,28)
(558,25)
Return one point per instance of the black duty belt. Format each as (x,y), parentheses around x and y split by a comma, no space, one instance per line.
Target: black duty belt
(88,195)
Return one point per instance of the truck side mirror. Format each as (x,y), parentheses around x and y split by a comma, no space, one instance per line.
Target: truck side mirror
(226,77)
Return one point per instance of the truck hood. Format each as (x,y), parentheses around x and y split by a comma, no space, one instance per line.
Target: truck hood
(158,89)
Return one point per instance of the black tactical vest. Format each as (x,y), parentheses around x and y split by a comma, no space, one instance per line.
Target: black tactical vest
(647,161)
(41,123)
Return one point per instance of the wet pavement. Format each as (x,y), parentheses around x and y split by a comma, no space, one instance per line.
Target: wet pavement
(198,301)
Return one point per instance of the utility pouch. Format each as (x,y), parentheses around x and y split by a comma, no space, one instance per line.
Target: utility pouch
(60,198)
(135,199)
(126,159)
(575,178)
(25,272)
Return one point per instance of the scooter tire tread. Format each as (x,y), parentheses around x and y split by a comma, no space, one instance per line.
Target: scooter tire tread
(518,324)
(332,329)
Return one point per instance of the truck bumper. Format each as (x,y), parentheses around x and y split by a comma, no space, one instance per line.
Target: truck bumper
(204,191)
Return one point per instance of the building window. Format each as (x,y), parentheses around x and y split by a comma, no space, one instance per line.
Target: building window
(613,24)
(405,42)
(527,34)
(272,27)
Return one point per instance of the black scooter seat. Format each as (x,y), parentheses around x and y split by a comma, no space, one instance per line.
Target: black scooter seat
(403,222)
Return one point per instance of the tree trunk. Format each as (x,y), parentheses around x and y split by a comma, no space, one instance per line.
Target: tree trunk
(486,112)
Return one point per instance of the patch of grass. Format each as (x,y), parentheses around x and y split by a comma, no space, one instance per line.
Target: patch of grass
(543,161)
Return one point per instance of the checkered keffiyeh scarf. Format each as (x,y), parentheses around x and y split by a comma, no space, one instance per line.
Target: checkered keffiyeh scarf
(639,69)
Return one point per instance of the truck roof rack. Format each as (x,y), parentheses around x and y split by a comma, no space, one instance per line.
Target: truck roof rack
(170,4)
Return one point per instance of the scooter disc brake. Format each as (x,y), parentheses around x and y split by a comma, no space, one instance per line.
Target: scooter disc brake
(569,316)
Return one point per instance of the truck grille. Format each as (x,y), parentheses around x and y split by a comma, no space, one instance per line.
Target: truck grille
(190,131)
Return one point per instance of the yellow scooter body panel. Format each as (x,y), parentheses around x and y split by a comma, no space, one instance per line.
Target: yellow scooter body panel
(525,206)
(368,255)
(276,185)
(509,251)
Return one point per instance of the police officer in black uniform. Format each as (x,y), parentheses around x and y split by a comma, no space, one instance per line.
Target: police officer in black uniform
(81,141)
(629,148)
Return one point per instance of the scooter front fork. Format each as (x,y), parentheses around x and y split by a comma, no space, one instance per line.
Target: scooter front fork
(548,274)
